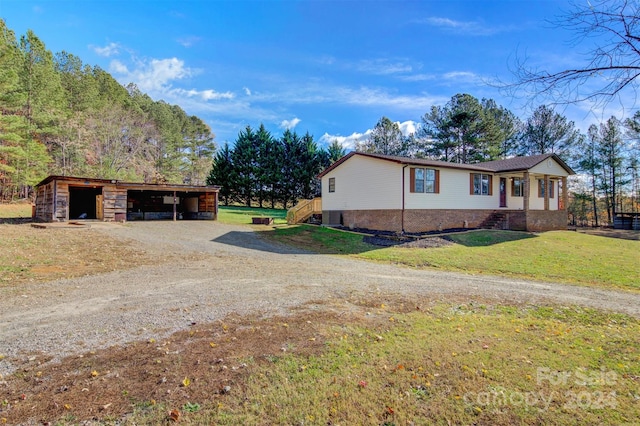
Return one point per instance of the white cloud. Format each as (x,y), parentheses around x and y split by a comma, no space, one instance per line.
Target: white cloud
(418,77)
(290,124)
(383,67)
(474,28)
(408,127)
(157,78)
(188,41)
(154,75)
(118,67)
(247,91)
(205,95)
(465,77)
(326,60)
(110,49)
(347,142)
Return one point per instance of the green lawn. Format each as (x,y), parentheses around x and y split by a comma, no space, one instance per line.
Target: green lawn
(242,215)
(15,210)
(446,364)
(559,256)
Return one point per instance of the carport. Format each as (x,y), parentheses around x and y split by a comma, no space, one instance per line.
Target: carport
(65,198)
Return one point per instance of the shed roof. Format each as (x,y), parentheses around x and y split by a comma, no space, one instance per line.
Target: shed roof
(509,165)
(132,185)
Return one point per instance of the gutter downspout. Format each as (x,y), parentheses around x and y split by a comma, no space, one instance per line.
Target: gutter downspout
(402,214)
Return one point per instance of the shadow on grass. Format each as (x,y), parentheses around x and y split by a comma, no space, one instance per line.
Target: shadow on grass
(253,241)
(483,238)
(15,220)
(301,239)
(309,239)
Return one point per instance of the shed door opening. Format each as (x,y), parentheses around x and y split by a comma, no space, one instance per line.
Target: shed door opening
(85,203)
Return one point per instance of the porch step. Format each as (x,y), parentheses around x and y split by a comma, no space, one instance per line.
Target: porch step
(495,220)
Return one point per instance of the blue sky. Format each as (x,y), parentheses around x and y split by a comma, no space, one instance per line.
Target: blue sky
(331,68)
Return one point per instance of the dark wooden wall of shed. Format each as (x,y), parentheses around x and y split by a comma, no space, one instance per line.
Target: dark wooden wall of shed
(115,203)
(44,202)
(207,203)
(61,210)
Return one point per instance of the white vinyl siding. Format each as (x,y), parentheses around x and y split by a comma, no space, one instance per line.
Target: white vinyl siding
(549,167)
(364,183)
(453,193)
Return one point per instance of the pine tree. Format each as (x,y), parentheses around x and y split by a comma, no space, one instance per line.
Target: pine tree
(223,173)
(245,156)
(547,132)
(386,138)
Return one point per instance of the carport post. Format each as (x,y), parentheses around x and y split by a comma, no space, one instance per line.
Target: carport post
(174,206)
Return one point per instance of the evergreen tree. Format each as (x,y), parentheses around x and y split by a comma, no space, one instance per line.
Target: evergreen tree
(465,130)
(309,165)
(547,132)
(335,151)
(269,166)
(223,173)
(292,149)
(502,128)
(199,149)
(386,138)
(245,163)
(13,125)
(611,148)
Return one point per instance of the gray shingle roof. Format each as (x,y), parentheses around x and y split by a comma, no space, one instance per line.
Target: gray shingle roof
(497,166)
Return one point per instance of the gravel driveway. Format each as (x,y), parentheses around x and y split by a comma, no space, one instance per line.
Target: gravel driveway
(238,273)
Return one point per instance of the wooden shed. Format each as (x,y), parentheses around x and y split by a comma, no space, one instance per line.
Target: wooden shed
(64,198)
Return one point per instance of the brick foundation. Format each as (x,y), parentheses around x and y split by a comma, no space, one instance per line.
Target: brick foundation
(550,220)
(416,221)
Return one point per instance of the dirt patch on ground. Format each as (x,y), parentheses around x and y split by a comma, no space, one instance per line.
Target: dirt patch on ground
(624,234)
(406,242)
(208,362)
(28,254)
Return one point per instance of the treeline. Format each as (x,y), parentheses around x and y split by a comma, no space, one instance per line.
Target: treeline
(60,116)
(608,157)
(468,130)
(266,170)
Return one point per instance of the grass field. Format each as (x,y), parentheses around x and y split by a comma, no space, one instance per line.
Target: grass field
(383,361)
(440,365)
(15,211)
(242,215)
(559,256)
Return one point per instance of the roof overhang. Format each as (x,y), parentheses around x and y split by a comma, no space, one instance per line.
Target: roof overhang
(141,186)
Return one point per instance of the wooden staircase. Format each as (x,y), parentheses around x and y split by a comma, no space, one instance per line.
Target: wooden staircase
(495,220)
(304,210)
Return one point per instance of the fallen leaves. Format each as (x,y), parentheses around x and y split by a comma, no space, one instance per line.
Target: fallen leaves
(174,415)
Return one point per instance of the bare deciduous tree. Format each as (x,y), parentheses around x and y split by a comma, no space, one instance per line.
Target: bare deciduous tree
(612,63)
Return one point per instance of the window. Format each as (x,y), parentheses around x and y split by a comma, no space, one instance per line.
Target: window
(481,184)
(517,187)
(541,188)
(332,184)
(425,180)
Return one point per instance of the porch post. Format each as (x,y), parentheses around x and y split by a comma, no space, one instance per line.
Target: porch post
(565,194)
(546,192)
(174,206)
(527,190)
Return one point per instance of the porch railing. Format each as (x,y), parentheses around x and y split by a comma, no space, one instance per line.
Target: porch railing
(304,210)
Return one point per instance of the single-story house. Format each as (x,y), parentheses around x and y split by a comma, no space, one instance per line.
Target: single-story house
(64,198)
(399,194)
